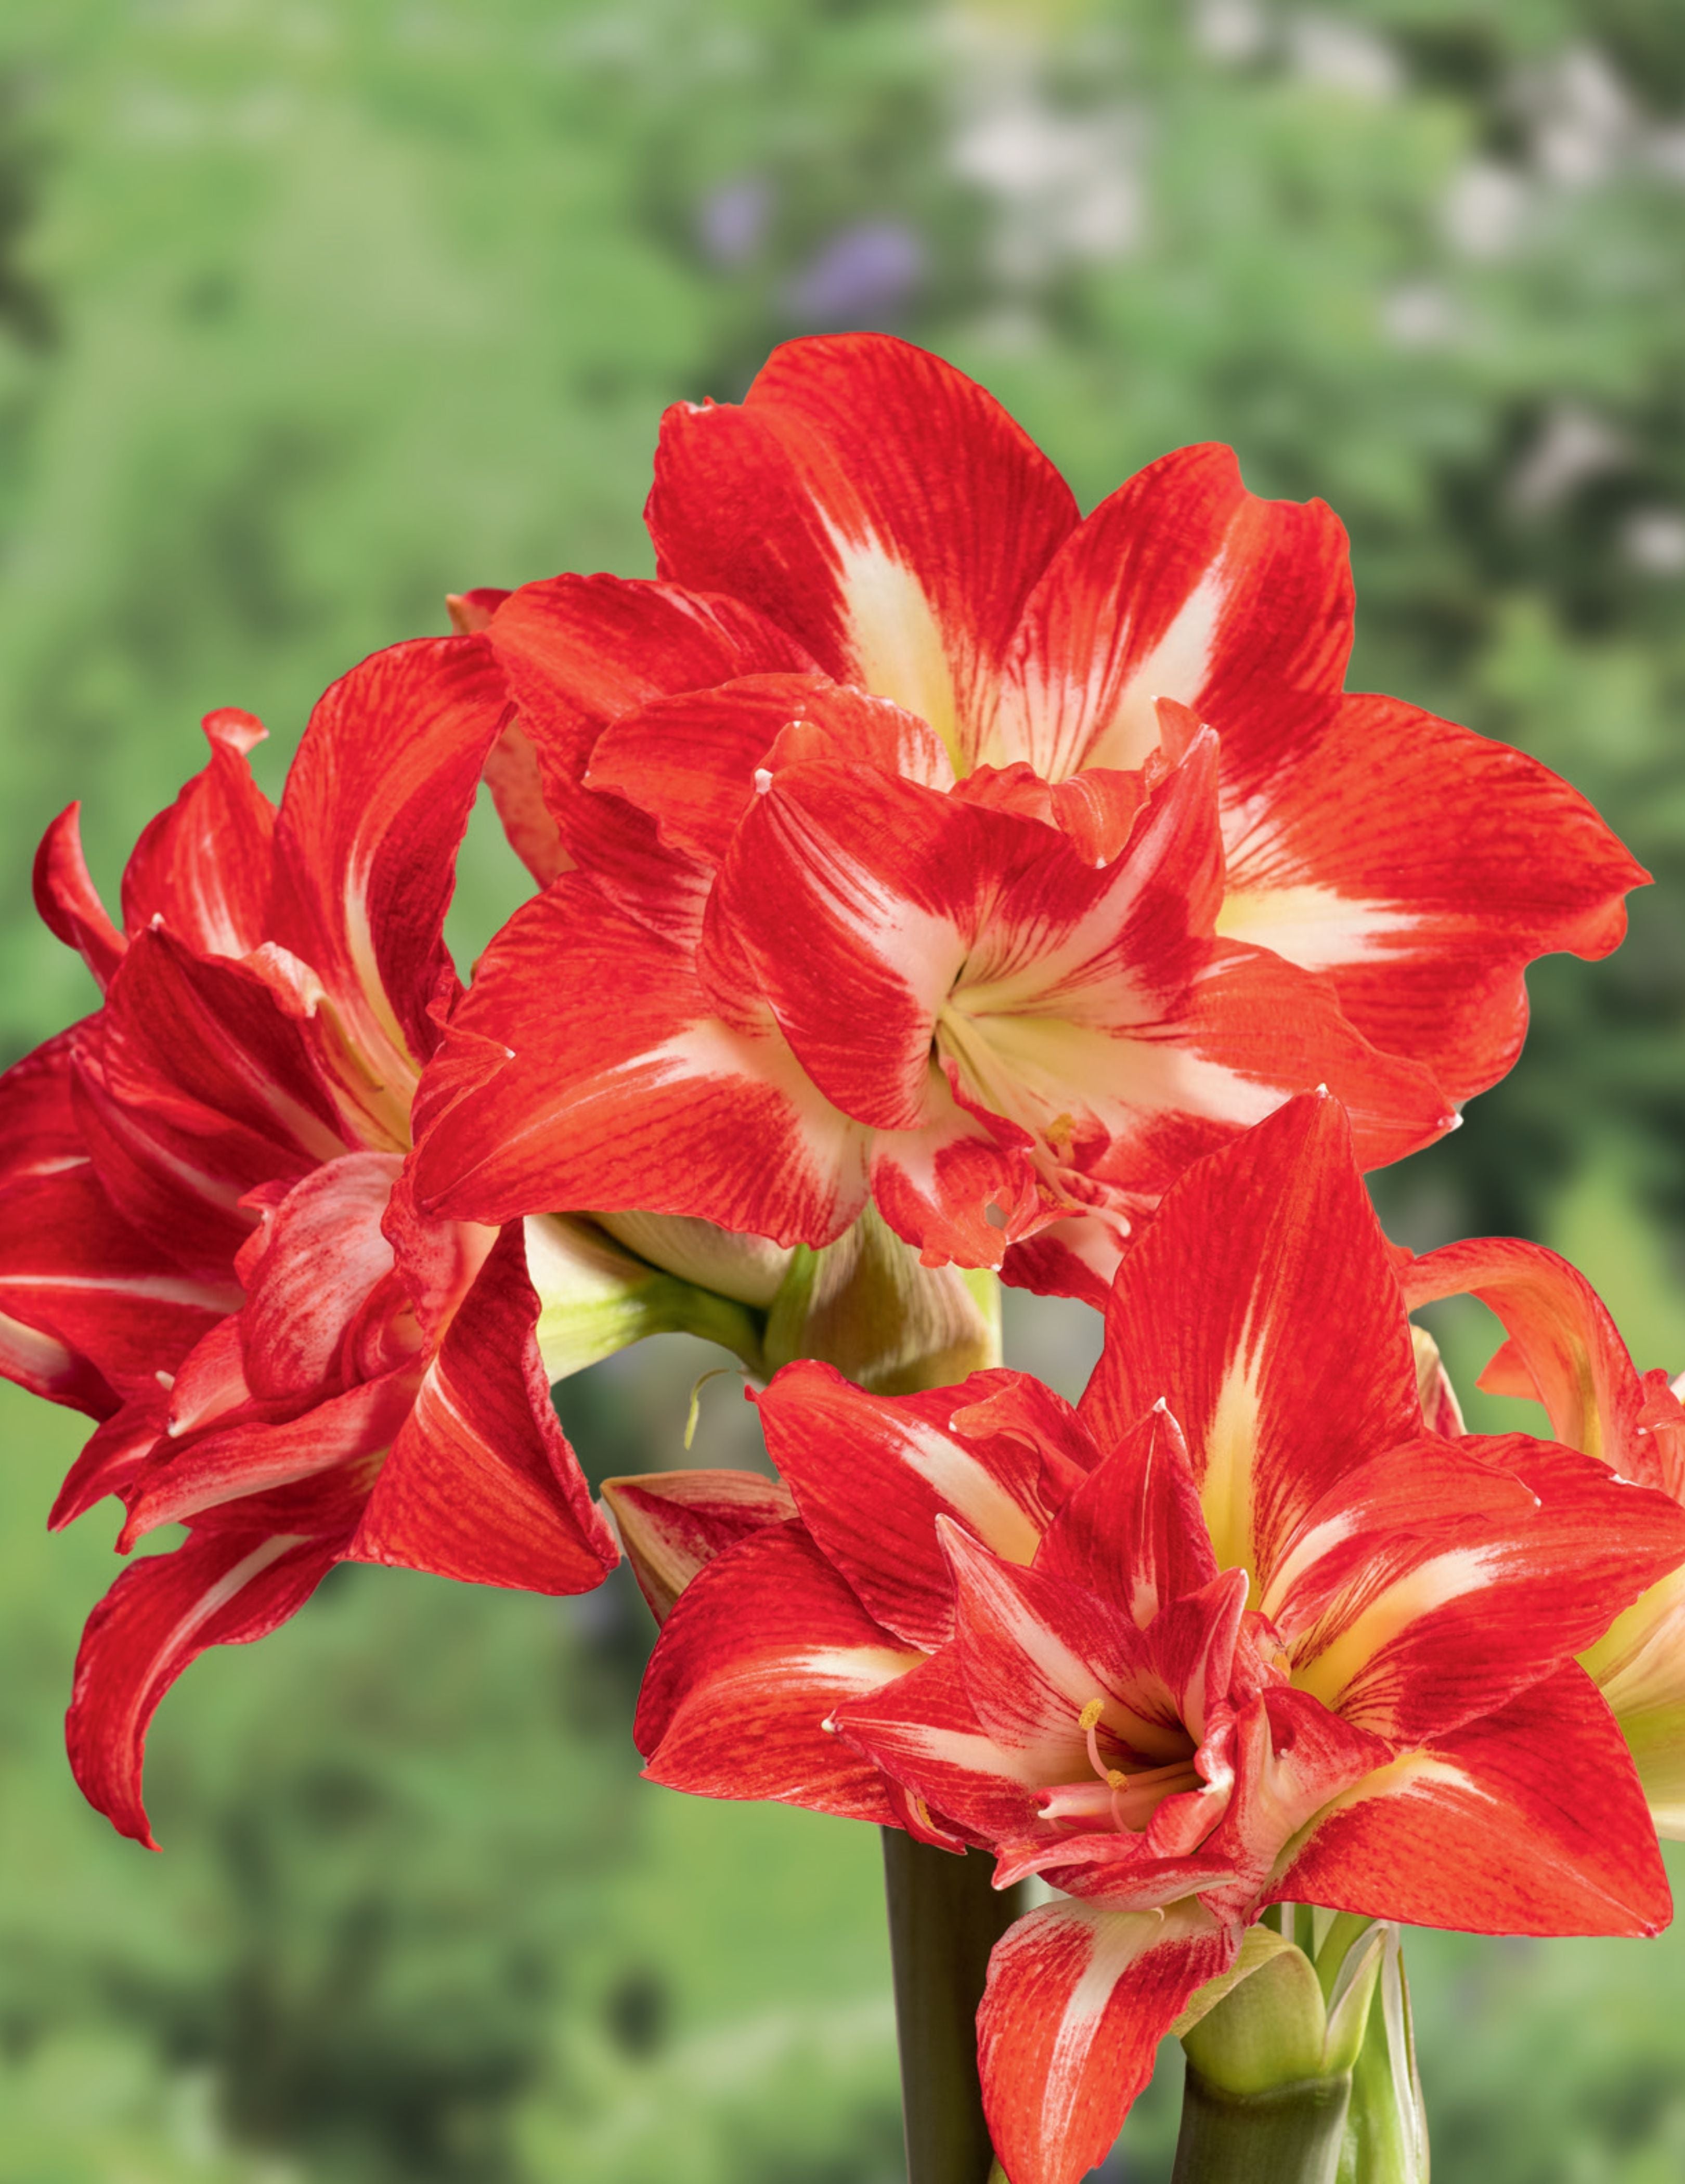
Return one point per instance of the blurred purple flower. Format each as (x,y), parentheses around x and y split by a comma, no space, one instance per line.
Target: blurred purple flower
(732,220)
(861,277)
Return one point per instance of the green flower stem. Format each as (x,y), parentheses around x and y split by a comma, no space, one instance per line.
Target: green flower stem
(1289,2135)
(945,1914)
(944,1918)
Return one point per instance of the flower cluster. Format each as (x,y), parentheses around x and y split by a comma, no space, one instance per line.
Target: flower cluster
(1240,1630)
(929,883)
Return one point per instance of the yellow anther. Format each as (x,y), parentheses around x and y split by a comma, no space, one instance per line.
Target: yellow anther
(1116,1779)
(1091,1714)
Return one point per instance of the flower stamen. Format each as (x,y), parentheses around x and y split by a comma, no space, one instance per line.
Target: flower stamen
(1087,1721)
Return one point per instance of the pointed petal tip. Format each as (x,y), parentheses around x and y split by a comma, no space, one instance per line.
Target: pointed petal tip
(229,727)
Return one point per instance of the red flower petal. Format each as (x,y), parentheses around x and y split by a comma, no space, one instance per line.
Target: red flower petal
(1450,1591)
(112,1456)
(1418,866)
(1564,1351)
(247,1457)
(1181,585)
(923,1732)
(1133,1532)
(652,1104)
(87,1305)
(221,1587)
(1262,1306)
(879,505)
(69,901)
(1035,1652)
(691,760)
(1528,1821)
(849,899)
(309,1271)
(513,775)
(762,1649)
(577,652)
(871,1473)
(672,1523)
(202,866)
(201,1086)
(480,1483)
(376,803)
(1077,2001)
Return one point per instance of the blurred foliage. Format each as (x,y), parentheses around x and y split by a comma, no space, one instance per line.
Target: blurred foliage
(312,312)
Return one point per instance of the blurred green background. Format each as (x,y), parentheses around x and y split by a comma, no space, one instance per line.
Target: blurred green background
(311,310)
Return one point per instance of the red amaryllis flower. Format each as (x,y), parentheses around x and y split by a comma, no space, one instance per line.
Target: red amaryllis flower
(206,1236)
(1565,1352)
(899,835)
(1240,1630)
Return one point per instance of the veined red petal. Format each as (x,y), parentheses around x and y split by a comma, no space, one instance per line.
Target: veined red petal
(691,760)
(220,1587)
(1133,1532)
(879,505)
(672,1523)
(1078,1999)
(871,1473)
(1096,809)
(1527,1821)
(1293,1757)
(87,1305)
(1419,867)
(1261,1305)
(44,1188)
(1035,1651)
(577,652)
(1075,1257)
(513,772)
(1022,1408)
(850,898)
(237,1459)
(481,1483)
(513,776)
(39,1133)
(112,1458)
(1570,1352)
(69,901)
(201,1086)
(202,866)
(762,1649)
(620,850)
(650,1104)
(1249,1031)
(1096,1012)
(308,1272)
(376,803)
(1447,1594)
(961,1190)
(923,1732)
(1181,585)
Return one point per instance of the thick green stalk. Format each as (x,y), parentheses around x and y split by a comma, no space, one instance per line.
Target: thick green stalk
(944,1918)
(1289,2135)
(945,1914)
